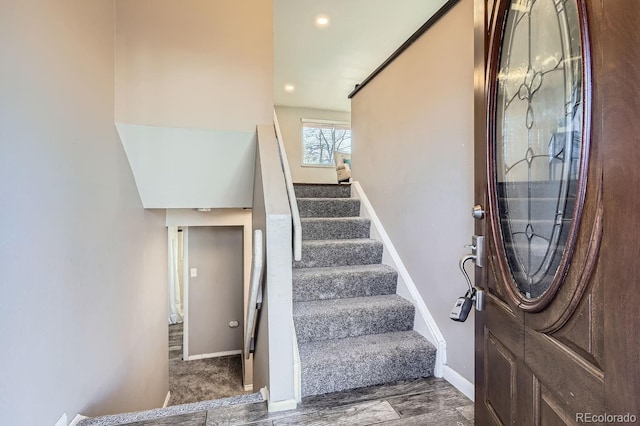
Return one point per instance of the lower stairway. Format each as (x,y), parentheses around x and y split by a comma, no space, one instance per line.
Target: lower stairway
(353,330)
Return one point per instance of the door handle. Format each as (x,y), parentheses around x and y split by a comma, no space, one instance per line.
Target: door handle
(476,255)
(477,250)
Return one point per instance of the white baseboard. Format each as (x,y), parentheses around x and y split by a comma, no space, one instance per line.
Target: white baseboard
(432,331)
(297,372)
(77,419)
(166,400)
(213,355)
(265,393)
(248,388)
(274,406)
(459,382)
(287,404)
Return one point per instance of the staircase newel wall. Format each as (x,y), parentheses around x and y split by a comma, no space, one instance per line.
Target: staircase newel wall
(273,357)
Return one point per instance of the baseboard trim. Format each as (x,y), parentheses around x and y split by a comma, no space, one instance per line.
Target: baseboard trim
(77,419)
(297,372)
(287,404)
(248,388)
(213,355)
(436,337)
(275,406)
(459,382)
(166,400)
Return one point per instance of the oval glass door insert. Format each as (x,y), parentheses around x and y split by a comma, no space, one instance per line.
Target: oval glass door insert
(538,137)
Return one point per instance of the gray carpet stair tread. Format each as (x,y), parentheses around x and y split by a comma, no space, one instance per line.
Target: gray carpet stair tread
(335,365)
(326,253)
(320,190)
(328,207)
(173,410)
(335,228)
(340,318)
(343,282)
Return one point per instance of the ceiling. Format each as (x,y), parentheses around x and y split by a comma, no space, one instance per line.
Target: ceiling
(324,64)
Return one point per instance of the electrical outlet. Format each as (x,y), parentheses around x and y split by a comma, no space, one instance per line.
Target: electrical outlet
(233,324)
(62,421)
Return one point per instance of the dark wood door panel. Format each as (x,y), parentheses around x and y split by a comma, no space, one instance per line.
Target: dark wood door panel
(620,95)
(583,333)
(505,324)
(500,377)
(579,351)
(577,384)
(551,411)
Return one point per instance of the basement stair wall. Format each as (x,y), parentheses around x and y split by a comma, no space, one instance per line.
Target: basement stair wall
(273,360)
(84,265)
(412,129)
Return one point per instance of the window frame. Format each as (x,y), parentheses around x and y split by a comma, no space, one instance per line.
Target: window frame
(309,123)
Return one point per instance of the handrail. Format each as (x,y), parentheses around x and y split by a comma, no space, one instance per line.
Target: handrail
(293,204)
(414,37)
(255,292)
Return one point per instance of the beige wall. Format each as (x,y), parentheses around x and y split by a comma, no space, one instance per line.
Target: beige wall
(291,128)
(194,63)
(413,154)
(83,271)
(215,295)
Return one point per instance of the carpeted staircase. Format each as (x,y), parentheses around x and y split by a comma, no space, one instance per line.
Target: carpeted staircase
(353,329)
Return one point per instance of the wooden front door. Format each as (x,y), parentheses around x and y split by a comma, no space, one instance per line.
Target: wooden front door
(557,142)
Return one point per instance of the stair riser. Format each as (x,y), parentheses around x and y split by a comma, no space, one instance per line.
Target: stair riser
(328,230)
(328,207)
(402,363)
(322,256)
(342,285)
(319,207)
(322,191)
(338,325)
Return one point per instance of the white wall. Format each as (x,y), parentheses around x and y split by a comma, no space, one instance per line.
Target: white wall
(190,168)
(273,357)
(83,275)
(195,77)
(413,154)
(291,128)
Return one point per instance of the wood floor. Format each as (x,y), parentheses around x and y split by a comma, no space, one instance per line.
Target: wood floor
(419,402)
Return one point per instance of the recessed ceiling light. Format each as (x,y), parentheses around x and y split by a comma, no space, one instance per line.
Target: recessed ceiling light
(322,21)
(289,88)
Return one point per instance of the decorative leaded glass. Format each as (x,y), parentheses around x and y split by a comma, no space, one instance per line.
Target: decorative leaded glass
(538,137)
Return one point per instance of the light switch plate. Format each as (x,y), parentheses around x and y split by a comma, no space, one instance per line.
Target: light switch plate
(194,272)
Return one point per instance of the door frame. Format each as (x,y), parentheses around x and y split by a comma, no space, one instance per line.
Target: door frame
(186,218)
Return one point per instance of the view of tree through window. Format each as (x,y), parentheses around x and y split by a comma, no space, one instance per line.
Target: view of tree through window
(320,141)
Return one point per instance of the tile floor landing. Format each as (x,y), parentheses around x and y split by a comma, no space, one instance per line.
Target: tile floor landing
(420,402)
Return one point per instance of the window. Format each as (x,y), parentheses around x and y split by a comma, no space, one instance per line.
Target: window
(321,139)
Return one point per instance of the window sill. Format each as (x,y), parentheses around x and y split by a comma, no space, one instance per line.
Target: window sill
(319,166)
